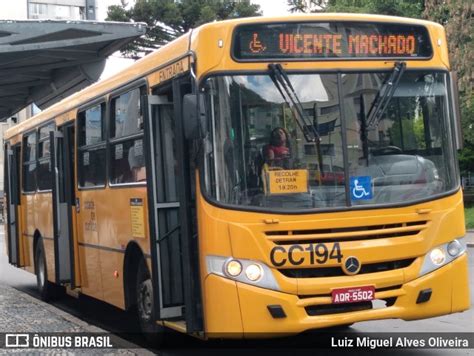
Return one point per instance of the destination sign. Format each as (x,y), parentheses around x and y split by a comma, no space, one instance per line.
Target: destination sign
(326,40)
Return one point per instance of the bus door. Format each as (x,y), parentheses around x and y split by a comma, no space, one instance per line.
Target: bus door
(62,163)
(164,205)
(173,239)
(12,184)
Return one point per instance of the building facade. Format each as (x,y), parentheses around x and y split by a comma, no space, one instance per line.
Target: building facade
(62,9)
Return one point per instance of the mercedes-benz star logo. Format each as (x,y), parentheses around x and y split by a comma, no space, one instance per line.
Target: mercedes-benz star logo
(351,265)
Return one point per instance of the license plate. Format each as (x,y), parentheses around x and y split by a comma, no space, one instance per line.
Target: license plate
(353,295)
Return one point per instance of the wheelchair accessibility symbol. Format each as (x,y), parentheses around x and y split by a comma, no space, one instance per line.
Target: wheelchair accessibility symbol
(361,188)
(255,45)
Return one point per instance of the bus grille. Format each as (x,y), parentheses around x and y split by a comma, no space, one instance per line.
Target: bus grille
(337,271)
(315,310)
(356,233)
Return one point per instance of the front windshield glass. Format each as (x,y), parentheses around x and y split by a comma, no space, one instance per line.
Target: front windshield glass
(257,154)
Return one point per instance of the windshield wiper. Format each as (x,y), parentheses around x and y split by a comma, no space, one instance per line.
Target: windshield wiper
(385,94)
(284,86)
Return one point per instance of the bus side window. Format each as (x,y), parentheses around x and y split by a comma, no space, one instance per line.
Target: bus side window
(43,173)
(127,160)
(91,155)
(29,163)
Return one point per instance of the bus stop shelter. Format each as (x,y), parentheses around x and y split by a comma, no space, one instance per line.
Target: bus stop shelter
(42,62)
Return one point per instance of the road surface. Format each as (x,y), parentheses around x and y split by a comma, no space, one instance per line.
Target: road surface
(117,321)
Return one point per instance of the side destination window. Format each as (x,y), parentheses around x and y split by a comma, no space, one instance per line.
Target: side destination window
(29,162)
(127,160)
(43,175)
(91,155)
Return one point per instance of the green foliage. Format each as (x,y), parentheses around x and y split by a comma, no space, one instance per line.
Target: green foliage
(419,132)
(410,139)
(117,13)
(306,5)
(469,215)
(407,131)
(406,8)
(466,159)
(168,19)
(456,17)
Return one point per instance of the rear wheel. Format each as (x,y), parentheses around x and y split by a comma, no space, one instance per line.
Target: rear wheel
(153,332)
(45,288)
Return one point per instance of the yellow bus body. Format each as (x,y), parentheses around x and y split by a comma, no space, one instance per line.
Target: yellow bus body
(234,309)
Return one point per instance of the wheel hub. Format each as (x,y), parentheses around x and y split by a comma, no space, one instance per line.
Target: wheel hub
(145,300)
(41,275)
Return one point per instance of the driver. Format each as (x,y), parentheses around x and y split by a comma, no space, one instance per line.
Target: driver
(278,152)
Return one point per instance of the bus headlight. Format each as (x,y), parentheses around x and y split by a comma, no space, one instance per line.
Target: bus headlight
(255,272)
(233,268)
(454,248)
(437,256)
(442,255)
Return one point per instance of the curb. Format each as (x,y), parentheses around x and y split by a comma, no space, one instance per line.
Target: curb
(121,344)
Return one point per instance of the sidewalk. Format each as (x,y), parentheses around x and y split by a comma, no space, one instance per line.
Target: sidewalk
(21,313)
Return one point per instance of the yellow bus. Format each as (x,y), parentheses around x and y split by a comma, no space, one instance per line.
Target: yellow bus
(254,176)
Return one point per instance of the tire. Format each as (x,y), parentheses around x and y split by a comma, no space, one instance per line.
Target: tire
(45,288)
(153,333)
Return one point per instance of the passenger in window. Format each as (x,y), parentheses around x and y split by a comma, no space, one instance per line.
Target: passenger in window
(278,152)
(136,162)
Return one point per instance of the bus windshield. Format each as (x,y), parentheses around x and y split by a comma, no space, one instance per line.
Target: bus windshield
(257,155)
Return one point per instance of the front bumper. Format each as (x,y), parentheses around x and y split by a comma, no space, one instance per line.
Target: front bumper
(240,309)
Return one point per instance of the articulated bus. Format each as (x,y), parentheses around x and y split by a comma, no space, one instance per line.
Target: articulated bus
(254,176)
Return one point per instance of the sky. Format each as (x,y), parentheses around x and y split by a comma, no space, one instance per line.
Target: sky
(115,63)
(272,7)
(263,86)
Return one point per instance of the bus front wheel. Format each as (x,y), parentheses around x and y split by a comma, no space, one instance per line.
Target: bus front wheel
(45,287)
(152,332)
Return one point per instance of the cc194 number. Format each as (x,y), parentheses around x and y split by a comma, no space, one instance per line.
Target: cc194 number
(318,253)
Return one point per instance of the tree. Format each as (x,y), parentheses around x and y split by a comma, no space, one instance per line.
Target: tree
(407,8)
(168,19)
(456,17)
(306,5)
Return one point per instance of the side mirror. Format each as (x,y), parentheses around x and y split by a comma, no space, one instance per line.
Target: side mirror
(194,116)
